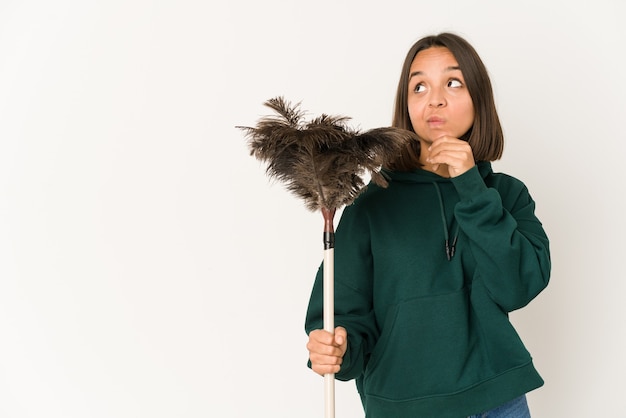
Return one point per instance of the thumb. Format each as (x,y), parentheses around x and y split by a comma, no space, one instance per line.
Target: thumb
(341,335)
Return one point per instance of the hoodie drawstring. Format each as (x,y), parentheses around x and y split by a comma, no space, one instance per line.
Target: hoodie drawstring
(450,248)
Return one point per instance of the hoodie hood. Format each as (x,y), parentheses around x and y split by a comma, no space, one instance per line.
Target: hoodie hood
(424,176)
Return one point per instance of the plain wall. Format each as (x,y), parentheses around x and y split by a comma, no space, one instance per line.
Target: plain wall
(148,266)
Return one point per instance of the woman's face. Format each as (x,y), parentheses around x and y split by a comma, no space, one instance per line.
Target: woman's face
(438,101)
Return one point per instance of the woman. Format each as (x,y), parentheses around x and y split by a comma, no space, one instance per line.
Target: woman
(427,269)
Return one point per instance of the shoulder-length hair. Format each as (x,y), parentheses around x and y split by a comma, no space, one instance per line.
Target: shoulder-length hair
(485,136)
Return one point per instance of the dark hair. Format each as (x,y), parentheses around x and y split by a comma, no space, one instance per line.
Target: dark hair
(485,136)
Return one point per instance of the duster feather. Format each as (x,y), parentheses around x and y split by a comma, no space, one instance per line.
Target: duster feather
(322,161)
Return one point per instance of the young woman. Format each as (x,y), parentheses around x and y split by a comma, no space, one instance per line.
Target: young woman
(427,269)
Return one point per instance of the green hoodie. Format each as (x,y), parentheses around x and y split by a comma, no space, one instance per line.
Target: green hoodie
(428,329)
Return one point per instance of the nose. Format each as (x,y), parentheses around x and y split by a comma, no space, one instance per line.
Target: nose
(436,99)
(436,102)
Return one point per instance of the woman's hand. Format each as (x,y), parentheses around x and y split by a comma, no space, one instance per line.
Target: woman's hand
(326,350)
(455,153)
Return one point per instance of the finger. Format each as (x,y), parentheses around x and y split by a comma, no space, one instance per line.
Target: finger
(449,152)
(325,369)
(324,346)
(316,348)
(448,142)
(325,364)
(449,157)
(457,163)
(441,141)
(322,336)
(323,360)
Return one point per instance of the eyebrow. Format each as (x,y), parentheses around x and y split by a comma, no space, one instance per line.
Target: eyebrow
(447,69)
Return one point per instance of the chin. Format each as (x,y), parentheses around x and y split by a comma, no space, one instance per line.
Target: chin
(426,141)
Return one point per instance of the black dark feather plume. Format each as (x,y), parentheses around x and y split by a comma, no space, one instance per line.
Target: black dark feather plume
(322,161)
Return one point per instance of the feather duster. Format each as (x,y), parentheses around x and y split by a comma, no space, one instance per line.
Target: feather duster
(323,162)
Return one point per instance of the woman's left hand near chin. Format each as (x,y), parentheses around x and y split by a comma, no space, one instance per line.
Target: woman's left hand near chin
(455,153)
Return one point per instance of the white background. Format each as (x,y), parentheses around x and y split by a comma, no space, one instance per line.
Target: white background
(149,268)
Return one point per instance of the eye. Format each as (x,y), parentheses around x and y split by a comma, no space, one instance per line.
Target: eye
(454,83)
(419,88)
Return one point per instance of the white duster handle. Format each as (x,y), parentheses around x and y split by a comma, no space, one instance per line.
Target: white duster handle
(329,303)
(329,325)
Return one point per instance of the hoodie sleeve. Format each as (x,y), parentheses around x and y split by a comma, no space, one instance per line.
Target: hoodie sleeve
(507,240)
(353,294)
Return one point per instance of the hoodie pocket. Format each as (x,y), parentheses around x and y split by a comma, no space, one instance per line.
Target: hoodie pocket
(428,346)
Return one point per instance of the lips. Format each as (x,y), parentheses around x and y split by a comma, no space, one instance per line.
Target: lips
(435,122)
(434,119)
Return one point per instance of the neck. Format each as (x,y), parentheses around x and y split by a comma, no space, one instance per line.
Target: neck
(440,169)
